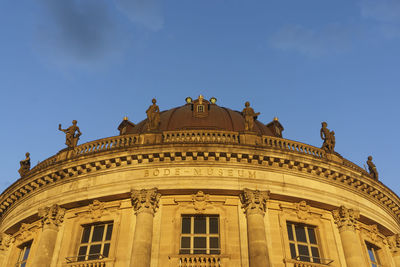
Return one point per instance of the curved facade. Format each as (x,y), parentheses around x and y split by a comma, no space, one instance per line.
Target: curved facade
(198,190)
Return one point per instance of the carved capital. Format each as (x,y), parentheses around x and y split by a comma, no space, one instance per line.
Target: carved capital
(51,216)
(394,242)
(254,201)
(346,219)
(5,241)
(145,200)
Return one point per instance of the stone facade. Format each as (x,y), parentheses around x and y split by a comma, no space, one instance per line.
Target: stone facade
(198,197)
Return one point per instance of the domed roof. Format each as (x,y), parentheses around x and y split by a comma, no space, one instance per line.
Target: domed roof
(198,115)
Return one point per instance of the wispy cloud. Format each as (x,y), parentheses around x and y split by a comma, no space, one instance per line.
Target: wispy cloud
(144,12)
(311,42)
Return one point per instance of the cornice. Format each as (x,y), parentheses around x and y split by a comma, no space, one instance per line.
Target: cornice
(272,153)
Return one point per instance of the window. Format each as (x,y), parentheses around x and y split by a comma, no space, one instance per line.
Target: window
(200,234)
(373,255)
(95,242)
(303,242)
(200,108)
(23,254)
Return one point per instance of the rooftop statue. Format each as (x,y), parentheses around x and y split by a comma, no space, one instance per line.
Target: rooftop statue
(25,165)
(153,116)
(71,137)
(372,168)
(328,137)
(249,117)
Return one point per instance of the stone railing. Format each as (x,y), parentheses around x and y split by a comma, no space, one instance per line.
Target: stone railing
(199,261)
(201,136)
(286,144)
(91,263)
(107,144)
(297,263)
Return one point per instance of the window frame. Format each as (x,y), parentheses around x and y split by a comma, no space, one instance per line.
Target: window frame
(90,242)
(295,242)
(375,252)
(192,235)
(22,260)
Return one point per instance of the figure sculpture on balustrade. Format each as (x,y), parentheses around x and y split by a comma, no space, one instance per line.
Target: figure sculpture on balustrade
(25,165)
(372,168)
(72,134)
(328,137)
(249,117)
(153,116)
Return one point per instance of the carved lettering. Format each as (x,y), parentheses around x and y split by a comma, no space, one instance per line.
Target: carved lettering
(177,172)
(220,172)
(156,172)
(197,172)
(167,172)
(230,172)
(210,171)
(252,174)
(146,173)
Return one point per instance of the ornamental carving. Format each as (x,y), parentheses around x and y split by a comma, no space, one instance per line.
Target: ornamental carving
(394,242)
(254,201)
(26,232)
(200,201)
(51,216)
(5,241)
(303,210)
(145,200)
(96,209)
(346,219)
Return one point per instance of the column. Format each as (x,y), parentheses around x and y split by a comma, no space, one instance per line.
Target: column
(145,203)
(255,204)
(4,244)
(346,221)
(52,217)
(396,249)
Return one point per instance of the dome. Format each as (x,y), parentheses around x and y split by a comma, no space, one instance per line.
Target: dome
(200,114)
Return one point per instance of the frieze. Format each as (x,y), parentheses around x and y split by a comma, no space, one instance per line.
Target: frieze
(200,171)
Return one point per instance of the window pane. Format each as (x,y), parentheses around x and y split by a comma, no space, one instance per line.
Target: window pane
(98,232)
(94,252)
(199,242)
(371,255)
(311,236)
(315,254)
(185,225)
(23,264)
(82,253)
(86,234)
(214,242)
(300,233)
(303,251)
(290,231)
(106,249)
(184,251)
(185,242)
(109,231)
(213,225)
(26,254)
(292,250)
(199,225)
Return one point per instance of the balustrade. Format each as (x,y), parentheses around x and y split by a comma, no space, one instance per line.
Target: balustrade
(281,143)
(199,261)
(219,137)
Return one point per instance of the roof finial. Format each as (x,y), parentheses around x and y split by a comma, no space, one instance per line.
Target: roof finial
(201,99)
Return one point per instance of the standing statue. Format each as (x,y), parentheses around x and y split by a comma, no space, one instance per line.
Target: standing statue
(249,117)
(372,168)
(71,138)
(153,116)
(25,165)
(328,137)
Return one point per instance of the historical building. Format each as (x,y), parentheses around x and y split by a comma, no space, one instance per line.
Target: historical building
(198,185)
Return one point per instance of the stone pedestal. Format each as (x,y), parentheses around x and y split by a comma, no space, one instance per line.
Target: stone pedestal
(255,204)
(145,203)
(150,138)
(250,138)
(346,220)
(52,217)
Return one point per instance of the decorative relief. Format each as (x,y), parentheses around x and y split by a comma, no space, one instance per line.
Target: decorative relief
(346,219)
(5,241)
(25,233)
(394,242)
(52,216)
(254,201)
(200,201)
(145,200)
(302,210)
(96,209)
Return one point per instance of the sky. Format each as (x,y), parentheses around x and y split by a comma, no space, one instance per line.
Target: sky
(304,62)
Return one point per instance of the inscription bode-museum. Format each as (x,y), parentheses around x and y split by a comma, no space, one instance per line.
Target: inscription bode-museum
(205,171)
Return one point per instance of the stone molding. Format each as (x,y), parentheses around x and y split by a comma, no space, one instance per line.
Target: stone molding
(52,216)
(337,174)
(5,241)
(300,209)
(145,200)
(346,219)
(254,201)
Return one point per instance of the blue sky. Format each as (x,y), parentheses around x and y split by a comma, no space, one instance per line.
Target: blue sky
(97,61)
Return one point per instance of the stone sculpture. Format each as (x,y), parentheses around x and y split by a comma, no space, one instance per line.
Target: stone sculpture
(25,165)
(372,168)
(249,117)
(72,134)
(328,137)
(153,116)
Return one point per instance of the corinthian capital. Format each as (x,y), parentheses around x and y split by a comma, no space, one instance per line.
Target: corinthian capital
(346,219)
(52,216)
(254,201)
(145,200)
(5,240)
